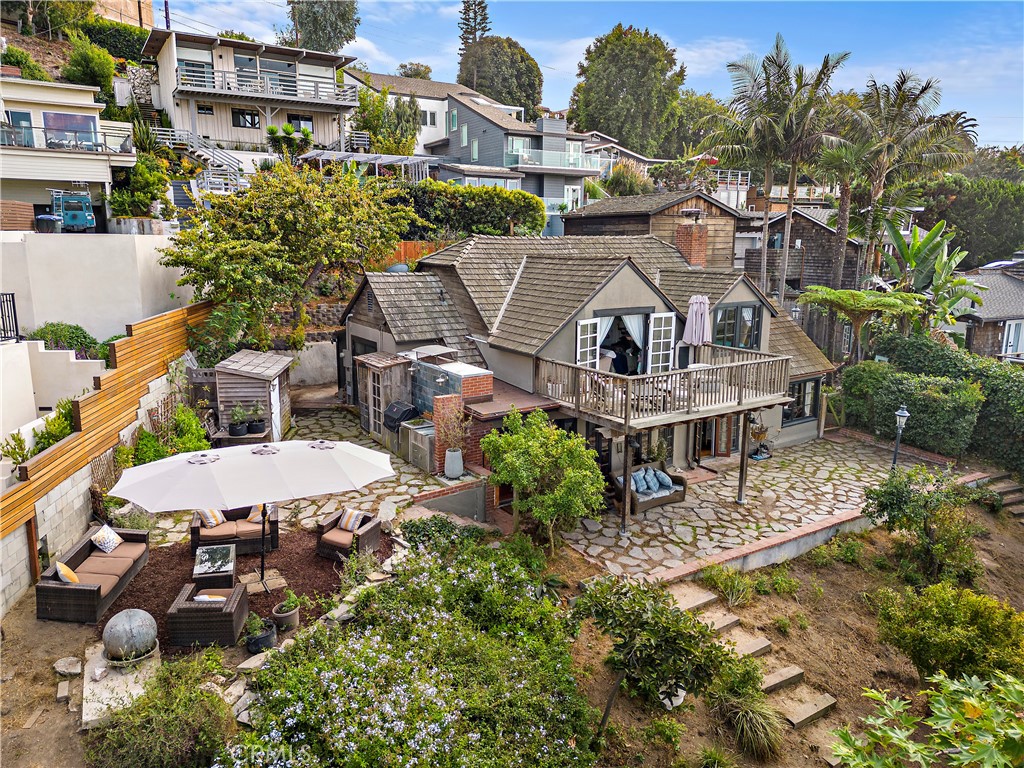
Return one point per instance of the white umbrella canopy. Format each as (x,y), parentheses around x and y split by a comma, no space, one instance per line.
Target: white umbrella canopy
(228,478)
(698,322)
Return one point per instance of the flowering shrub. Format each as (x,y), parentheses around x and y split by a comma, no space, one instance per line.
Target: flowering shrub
(455,662)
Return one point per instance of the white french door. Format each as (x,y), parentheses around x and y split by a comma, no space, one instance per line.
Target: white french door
(376,404)
(587,343)
(1013,337)
(662,342)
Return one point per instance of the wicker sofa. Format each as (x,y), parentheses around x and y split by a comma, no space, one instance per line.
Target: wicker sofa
(212,623)
(102,578)
(244,535)
(336,544)
(641,502)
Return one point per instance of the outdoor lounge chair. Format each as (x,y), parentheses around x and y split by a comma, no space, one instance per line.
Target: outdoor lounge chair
(641,502)
(244,535)
(337,544)
(207,623)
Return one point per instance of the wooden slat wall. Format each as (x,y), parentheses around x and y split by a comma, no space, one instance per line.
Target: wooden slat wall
(135,361)
(411,251)
(17,216)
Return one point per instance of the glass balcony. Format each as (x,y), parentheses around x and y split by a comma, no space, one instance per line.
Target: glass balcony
(547,158)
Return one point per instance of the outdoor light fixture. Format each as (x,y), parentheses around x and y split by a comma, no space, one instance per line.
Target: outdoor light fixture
(795,313)
(901,421)
(441,379)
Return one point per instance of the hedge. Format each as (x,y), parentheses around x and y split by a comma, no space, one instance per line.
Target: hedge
(943,411)
(123,41)
(30,68)
(451,209)
(999,433)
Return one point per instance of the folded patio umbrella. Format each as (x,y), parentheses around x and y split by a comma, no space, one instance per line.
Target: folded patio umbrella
(698,322)
(228,478)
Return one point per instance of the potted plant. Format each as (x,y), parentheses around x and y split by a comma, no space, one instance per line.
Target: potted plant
(286,613)
(260,633)
(257,423)
(239,424)
(452,429)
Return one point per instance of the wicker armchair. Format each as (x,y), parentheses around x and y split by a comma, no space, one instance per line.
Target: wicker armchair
(213,623)
(245,536)
(336,544)
(102,579)
(641,502)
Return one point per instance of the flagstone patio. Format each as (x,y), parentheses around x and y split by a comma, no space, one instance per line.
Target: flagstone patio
(799,485)
(383,498)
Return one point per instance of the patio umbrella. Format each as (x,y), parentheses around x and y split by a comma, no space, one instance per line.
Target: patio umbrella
(228,478)
(698,322)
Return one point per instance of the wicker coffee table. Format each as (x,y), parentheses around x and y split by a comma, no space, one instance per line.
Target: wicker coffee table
(215,567)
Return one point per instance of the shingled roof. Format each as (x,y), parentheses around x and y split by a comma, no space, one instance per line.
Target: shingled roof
(680,285)
(1004,299)
(641,205)
(786,337)
(417,308)
(412,86)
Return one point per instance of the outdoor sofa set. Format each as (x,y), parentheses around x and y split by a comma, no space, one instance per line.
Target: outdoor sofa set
(652,485)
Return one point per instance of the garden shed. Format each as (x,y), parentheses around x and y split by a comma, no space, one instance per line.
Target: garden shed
(250,377)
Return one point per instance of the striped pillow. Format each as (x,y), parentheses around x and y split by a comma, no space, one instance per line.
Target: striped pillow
(106,539)
(211,517)
(65,574)
(350,519)
(255,514)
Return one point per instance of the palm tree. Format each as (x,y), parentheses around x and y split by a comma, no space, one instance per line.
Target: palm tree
(907,140)
(857,307)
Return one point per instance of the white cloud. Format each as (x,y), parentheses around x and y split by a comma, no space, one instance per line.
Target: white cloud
(368,52)
(709,55)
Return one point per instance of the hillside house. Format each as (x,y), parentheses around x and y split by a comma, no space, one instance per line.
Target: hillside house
(996,327)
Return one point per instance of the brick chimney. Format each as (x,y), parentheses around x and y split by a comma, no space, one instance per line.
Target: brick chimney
(692,242)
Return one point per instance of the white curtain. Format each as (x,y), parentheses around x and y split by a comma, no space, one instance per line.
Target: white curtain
(636,325)
(604,324)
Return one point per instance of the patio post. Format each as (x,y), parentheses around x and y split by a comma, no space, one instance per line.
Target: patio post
(627,468)
(744,458)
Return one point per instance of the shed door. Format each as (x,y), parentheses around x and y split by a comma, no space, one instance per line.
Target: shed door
(376,404)
(275,410)
(587,342)
(662,343)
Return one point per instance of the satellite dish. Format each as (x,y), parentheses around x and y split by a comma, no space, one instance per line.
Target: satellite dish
(398,268)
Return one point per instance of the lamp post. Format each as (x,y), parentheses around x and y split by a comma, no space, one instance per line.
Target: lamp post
(901,419)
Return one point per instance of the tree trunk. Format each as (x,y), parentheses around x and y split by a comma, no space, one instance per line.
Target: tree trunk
(833,348)
(784,260)
(611,702)
(768,179)
(515,509)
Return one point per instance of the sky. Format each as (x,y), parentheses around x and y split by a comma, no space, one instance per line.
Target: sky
(975,49)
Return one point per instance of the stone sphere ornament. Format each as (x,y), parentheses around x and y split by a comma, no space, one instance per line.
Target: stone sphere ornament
(129,636)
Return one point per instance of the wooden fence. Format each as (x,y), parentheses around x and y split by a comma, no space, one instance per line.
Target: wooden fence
(99,416)
(411,251)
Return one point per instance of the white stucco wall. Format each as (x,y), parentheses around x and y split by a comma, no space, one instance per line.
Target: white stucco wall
(101,282)
(57,374)
(17,397)
(316,364)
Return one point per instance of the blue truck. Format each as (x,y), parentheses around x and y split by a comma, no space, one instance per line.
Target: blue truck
(73,210)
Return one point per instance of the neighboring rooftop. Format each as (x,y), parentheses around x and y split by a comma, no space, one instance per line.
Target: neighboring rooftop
(680,285)
(412,86)
(788,338)
(159,37)
(258,365)
(497,115)
(1004,299)
(482,170)
(641,205)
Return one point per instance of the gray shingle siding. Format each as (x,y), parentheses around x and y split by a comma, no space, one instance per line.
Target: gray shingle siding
(492,141)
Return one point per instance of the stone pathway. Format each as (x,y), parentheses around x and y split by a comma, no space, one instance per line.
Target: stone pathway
(383,498)
(799,485)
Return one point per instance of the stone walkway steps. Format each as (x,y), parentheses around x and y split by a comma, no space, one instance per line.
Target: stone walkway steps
(721,621)
(782,678)
(690,597)
(803,705)
(747,644)
(1016,510)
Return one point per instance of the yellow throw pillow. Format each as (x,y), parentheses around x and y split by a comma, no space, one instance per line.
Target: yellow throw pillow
(255,514)
(211,517)
(209,599)
(65,574)
(106,539)
(350,519)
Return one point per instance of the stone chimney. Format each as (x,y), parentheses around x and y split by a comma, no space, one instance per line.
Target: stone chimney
(692,242)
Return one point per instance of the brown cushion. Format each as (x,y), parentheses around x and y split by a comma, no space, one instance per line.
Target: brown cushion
(105,581)
(222,532)
(215,592)
(247,530)
(112,566)
(130,549)
(338,538)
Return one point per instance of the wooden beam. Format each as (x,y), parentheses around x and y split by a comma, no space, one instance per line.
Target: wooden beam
(32,534)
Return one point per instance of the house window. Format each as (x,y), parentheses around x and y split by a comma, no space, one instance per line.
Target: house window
(204,109)
(518,145)
(474,150)
(454,115)
(587,343)
(245,118)
(847,338)
(299,122)
(464,134)
(1013,337)
(63,129)
(514,184)
(804,407)
(428,118)
(18,131)
(738,326)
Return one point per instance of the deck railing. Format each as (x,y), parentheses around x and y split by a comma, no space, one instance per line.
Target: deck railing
(731,379)
(9,330)
(113,140)
(244,82)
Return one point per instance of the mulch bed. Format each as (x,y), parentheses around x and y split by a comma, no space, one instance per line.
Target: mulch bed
(170,568)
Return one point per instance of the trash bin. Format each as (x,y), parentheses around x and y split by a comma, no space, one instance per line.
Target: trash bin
(48,223)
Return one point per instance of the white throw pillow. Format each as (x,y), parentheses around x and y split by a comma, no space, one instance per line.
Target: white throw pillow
(106,539)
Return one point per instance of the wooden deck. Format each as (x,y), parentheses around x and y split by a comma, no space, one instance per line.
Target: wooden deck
(730,381)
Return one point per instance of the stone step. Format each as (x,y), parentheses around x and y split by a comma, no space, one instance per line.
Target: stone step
(783,678)
(1004,486)
(803,705)
(745,643)
(1013,499)
(721,621)
(995,477)
(1017,510)
(690,597)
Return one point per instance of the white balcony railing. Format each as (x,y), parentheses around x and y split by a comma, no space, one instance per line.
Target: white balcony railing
(250,83)
(113,140)
(547,158)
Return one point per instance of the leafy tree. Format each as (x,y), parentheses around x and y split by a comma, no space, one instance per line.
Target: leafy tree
(48,16)
(698,114)
(474,24)
(971,721)
(89,64)
(553,474)
(13,56)
(136,189)
(393,124)
(502,69)
(288,143)
(657,649)
(987,214)
(231,34)
(629,88)
(628,178)
(269,243)
(450,212)
(320,25)
(414,70)
(1000,163)
(694,173)
(857,307)
(927,266)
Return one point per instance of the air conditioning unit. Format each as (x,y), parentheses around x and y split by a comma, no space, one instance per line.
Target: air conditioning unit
(417,445)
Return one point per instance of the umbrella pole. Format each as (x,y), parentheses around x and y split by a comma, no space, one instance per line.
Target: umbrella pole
(263,550)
